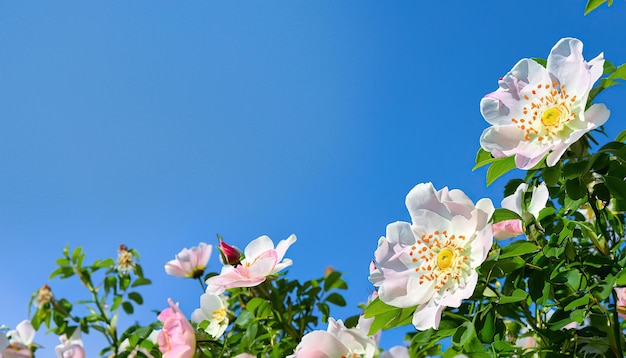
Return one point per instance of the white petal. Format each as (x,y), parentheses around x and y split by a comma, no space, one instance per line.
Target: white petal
(258,246)
(427,316)
(539,199)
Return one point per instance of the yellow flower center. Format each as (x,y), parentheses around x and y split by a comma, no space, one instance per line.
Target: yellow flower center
(440,257)
(445,259)
(546,110)
(219,314)
(551,116)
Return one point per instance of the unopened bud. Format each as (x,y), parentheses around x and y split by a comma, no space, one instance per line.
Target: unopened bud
(229,254)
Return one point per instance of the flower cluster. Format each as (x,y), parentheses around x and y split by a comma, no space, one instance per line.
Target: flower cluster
(558,286)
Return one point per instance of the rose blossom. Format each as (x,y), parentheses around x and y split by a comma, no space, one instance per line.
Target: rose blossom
(177,339)
(538,110)
(72,347)
(190,262)
(213,309)
(510,228)
(336,341)
(261,260)
(432,262)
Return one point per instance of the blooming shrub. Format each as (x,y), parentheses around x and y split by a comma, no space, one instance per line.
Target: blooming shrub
(557,288)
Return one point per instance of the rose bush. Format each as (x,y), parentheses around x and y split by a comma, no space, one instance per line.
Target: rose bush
(556,288)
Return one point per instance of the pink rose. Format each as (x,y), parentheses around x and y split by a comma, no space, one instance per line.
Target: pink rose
(177,339)
(507,229)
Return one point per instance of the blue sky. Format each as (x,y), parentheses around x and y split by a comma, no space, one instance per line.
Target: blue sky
(159,124)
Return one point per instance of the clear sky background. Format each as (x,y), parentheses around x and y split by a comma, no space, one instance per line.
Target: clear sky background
(158,124)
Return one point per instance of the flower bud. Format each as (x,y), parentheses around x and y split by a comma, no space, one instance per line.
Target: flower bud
(229,254)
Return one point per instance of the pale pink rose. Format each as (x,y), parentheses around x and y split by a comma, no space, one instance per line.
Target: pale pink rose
(245,355)
(507,229)
(177,338)
(20,341)
(72,347)
(261,260)
(510,228)
(539,111)
(190,262)
(336,341)
(432,262)
(620,305)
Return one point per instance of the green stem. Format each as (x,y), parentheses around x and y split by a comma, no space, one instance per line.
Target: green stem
(202,284)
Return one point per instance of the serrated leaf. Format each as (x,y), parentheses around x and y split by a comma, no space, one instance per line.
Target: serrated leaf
(483,157)
(376,307)
(619,73)
(516,296)
(502,214)
(499,167)
(517,248)
(621,137)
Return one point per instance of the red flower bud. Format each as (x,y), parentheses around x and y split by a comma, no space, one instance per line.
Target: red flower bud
(229,254)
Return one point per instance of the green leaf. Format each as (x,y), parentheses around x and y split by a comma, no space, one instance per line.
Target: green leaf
(573,170)
(333,280)
(483,157)
(75,254)
(259,307)
(128,307)
(517,248)
(391,319)
(502,214)
(575,189)
(620,279)
(551,175)
(136,297)
(244,318)
(621,137)
(619,73)
(516,296)
(140,282)
(581,301)
(499,167)
(616,186)
(571,278)
(500,268)
(574,316)
(336,299)
(377,307)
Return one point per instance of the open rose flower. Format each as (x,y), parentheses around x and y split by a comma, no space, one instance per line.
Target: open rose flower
(510,228)
(336,341)
(20,341)
(72,347)
(213,309)
(177,338)
(190,263)
(538,110)
(261,260)
(432,262)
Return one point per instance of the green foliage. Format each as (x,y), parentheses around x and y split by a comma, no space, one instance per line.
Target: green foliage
(594,4)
